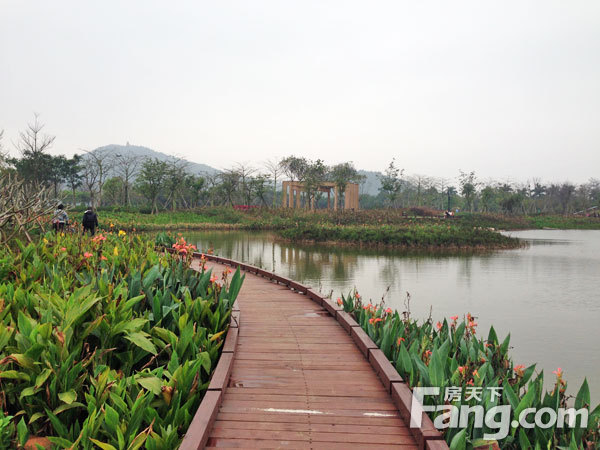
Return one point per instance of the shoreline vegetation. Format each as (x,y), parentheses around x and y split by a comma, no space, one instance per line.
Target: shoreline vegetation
(451,354)
(414,228)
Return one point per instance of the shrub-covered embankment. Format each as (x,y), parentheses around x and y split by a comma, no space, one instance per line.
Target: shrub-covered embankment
(105,342)
(432,235)
(479,373)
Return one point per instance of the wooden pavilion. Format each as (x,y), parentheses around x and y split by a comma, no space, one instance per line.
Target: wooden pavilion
(292,191)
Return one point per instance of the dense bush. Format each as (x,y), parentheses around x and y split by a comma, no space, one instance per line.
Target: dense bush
(105,341)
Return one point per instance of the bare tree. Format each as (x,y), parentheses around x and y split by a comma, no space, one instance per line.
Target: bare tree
(127,166)
(32,144)
(245,172)
(96,167)
(3,155)
(275,169)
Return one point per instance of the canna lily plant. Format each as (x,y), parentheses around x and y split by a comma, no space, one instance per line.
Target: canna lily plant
(105,342)
(450,354)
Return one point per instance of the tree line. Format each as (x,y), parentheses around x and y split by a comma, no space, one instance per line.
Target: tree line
(107,179)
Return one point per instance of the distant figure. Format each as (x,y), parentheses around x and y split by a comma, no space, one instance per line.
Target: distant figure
(60,218)
(90,221)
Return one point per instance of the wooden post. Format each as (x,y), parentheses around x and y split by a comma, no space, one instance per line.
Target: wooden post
(329,199)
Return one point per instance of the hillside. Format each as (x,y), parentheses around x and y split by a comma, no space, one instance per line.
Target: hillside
(145,152)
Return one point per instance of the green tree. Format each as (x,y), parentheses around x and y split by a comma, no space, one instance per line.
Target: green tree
(314,176)
(468,188)
(391,183)
(72,169)
(151,180)
(342,174)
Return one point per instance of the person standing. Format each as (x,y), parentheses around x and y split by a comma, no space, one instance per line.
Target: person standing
(61,218)
(90,221)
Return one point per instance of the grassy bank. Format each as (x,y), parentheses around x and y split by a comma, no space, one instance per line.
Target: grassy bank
(273,219)
(414,228)
(104,342)
(451,355)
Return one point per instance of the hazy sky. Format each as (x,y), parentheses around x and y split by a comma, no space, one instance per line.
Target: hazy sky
(509,89)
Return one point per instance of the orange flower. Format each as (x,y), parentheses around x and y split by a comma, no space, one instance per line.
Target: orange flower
(461,369)
(470,382)
(454,318)
(439,325)
(519,369)
(388,311)
(339,301)
(558,372)
(103,258)
(213,278)
(400,339)
(88,255)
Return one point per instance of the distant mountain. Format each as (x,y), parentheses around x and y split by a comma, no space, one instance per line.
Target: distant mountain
(145,152)
(371,184)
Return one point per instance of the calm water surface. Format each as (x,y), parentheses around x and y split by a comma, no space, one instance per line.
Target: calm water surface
(546,295)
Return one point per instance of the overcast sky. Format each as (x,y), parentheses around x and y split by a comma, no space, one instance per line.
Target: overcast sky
(509,89)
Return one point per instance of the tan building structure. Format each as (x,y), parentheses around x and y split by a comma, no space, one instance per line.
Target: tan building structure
(292,195)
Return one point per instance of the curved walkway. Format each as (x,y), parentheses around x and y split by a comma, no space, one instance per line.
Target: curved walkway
(299,380)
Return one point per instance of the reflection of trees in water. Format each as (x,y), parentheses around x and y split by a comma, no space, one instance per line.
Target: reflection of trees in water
(310,263)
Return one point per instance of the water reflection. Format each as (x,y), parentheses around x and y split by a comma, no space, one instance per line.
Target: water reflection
(547,295)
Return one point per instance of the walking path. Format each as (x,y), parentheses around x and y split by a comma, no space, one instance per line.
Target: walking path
(299,380)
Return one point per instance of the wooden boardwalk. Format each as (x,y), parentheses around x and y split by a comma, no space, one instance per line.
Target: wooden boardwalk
(299,381)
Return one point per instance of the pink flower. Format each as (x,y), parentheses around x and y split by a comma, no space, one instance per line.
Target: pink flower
(558,372)
(454,318)
(213,278)
(388,311)
(439,325)
(63,249)
(88,255)
(461,369)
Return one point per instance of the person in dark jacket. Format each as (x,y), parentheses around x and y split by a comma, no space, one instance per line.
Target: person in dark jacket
(90,221)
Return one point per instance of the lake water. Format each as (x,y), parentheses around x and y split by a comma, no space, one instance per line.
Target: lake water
(546,295)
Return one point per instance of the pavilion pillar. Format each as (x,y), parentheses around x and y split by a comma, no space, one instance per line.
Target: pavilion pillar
(328,199)
(284,194)
(335,198)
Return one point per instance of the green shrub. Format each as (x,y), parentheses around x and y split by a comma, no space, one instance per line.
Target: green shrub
(106,342)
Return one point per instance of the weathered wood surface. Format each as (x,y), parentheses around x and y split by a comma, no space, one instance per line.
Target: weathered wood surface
(300,381)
